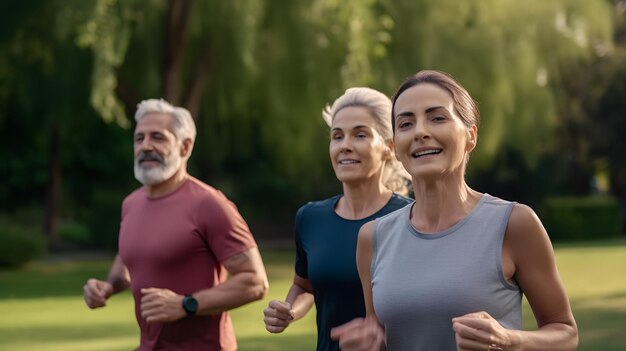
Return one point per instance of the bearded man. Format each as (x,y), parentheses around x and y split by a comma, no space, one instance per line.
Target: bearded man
(179,239)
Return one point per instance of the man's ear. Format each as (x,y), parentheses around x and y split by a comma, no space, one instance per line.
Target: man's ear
(185,148)
(472,138)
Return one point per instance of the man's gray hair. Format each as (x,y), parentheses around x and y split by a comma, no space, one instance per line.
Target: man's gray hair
(184,126)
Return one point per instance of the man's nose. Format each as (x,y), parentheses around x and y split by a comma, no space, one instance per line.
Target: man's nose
(146,144)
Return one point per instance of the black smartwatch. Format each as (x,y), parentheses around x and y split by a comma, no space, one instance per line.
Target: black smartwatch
(190,305)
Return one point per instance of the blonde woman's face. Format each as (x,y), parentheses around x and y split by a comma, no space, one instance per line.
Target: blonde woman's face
(357,151)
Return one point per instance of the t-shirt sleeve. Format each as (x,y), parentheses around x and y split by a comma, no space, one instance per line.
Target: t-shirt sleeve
(127,204)
(302,263)
(225,230)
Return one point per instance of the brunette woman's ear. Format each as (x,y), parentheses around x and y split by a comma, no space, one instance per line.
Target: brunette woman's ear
(472,138)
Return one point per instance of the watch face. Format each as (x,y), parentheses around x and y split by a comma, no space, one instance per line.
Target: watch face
(190,305)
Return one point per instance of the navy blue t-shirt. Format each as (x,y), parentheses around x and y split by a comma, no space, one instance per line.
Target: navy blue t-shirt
(326,256)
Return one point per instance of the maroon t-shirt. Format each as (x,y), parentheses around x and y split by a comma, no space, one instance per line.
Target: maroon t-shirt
(178,242)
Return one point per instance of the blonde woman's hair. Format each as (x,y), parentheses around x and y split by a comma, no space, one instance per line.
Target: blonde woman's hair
(378,104)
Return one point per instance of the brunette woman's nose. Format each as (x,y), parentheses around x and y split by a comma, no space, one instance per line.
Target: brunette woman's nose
(421,129)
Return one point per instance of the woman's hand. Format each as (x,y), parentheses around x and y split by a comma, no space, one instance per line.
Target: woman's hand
(360,334)
(277,316)
(480,331)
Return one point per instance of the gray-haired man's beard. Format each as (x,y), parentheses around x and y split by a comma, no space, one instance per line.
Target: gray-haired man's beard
(155,175)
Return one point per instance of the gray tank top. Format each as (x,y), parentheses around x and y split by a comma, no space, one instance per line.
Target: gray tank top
(421,281)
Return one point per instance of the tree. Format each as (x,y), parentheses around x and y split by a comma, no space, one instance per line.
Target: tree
(256,74)
(48,125)
(506,54)
(591,109)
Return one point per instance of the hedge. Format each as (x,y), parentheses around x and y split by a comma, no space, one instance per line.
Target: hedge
(582,218)
(19,245)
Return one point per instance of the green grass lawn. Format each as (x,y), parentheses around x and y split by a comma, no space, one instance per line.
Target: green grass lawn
(41,306)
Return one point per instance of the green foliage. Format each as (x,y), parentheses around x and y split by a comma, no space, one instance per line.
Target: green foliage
(73,67)
(75,233)
(582,218)
(104,222)
(107,33)
(589,124)
(504,53)
(20,245)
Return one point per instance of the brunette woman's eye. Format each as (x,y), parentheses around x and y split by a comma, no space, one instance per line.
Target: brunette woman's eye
(404,124)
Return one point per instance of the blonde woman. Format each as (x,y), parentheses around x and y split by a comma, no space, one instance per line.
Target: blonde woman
(361,152)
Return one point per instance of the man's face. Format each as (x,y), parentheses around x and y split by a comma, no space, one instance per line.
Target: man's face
(157,150)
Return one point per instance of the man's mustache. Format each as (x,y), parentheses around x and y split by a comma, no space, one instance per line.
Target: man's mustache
(150,156)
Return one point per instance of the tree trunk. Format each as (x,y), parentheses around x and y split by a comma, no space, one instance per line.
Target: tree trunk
(175,43)
(199,80)
(53,192)
(617,176)
(127,93)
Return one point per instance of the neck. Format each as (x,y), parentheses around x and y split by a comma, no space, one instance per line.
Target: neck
(362,199)
(168,186)
(441,203)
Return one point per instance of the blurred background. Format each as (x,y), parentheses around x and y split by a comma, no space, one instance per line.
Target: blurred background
(550,78)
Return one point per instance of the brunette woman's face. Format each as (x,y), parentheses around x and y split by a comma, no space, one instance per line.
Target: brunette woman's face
(430,138)
(357,151)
